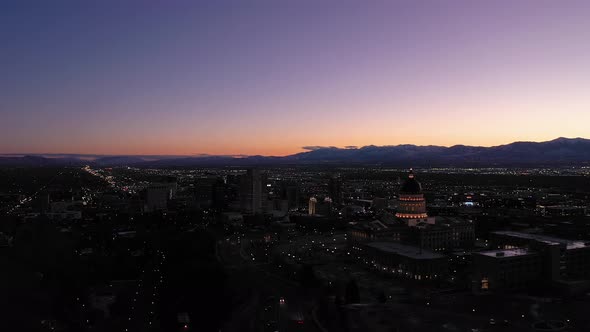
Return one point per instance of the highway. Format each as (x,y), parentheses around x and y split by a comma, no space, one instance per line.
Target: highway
(32,196)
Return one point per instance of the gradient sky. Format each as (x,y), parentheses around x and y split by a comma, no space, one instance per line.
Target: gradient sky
(269,77)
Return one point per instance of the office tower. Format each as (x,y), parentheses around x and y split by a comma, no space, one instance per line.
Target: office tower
(157,196)
(252,192)
(290,194)
(312,203)
(335,190)
(210,192)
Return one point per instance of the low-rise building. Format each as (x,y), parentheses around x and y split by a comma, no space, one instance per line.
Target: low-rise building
(506,269)
(524,259)
(401,260)
(446,234)
(377,231)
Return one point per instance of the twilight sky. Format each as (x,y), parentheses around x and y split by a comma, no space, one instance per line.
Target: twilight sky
(268,77)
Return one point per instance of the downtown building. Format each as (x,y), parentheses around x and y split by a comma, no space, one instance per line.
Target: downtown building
(402,261)
(411,208)
(438,234)
(252,192)
(158,195)
(408,246)
(524,260)
(413,226)
(445,234)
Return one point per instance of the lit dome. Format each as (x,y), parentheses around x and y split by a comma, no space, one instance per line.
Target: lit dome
(411,202)
(411,185)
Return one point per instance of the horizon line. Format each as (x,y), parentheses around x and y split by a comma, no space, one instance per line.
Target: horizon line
(303,150)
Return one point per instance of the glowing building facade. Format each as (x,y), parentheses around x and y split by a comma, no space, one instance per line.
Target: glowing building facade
(312,202)
(411,203)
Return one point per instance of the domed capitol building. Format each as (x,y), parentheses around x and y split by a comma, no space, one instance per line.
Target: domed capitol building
(411,203)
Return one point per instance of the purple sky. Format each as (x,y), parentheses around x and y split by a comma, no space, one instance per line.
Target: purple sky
(268,77)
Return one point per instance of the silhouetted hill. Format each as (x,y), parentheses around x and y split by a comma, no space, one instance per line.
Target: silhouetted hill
(38,161)
(560,151)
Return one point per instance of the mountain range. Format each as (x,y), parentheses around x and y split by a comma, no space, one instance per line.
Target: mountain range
(557,152)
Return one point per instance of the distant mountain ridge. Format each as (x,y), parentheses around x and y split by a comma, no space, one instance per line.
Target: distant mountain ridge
(560,151)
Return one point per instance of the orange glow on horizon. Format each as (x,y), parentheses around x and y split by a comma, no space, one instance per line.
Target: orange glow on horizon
(245,149)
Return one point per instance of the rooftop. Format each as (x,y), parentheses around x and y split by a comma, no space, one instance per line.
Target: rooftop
(506,253)
(404,250)
(451,220)
(570,244)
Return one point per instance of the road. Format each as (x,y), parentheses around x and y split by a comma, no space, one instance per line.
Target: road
(32,196)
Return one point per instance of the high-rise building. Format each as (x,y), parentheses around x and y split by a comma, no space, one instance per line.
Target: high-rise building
(210,192)
(312,203)
(204,191)
(253,195)
(335,190)
(290,194)
(156,197)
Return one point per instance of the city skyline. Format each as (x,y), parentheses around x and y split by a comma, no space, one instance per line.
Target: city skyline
(229,78)
(294,165)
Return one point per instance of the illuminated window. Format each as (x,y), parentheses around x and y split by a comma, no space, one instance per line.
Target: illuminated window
(485,284)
